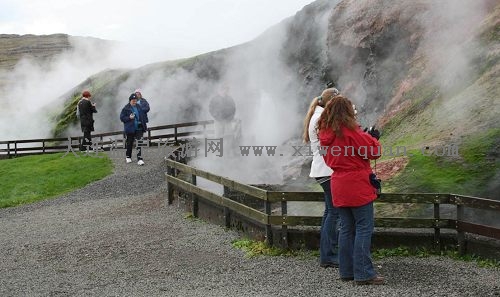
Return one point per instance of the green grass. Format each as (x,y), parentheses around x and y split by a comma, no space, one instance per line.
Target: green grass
(253,248)
(32,178)
(468,174)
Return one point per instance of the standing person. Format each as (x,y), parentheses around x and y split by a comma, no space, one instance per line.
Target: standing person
(328,246)
(134,125)
(143,103)
(349,153)
(227,127)
(86,109)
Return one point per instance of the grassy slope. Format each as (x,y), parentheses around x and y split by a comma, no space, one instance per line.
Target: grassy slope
(467,117)
(469,174)
(97,85)
(32,178)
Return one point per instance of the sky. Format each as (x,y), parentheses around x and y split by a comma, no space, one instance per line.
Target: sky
(183,27)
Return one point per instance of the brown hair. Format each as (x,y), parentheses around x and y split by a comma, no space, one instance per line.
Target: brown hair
(322,100)
(338,113)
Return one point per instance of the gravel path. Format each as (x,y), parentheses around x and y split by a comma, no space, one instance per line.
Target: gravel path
(116,237)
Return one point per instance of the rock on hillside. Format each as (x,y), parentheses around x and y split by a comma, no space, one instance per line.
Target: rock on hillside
(43,49)
(13,47)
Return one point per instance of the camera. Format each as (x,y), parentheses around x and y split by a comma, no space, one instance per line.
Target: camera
(373,132)
(376,182)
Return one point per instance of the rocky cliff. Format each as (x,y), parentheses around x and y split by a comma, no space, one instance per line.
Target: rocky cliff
(41,49)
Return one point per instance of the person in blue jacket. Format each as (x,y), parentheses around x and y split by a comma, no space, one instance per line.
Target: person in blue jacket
(134,126)
(143,103)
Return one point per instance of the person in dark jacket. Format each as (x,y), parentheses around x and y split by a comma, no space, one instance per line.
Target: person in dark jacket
(134,126)
(143,103)
(86,110)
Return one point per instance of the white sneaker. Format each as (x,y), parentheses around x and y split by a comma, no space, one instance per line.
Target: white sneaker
(140,162)
(128,160)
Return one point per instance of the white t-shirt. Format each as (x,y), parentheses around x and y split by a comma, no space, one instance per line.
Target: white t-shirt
(318,166)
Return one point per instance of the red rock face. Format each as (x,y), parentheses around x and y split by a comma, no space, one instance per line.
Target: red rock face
(370,48)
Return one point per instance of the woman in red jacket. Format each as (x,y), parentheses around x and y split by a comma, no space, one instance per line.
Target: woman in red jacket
(348,151)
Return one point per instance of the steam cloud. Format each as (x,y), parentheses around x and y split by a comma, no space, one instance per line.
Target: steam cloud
(32,96)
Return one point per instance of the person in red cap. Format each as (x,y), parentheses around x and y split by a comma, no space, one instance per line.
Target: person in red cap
(86,109)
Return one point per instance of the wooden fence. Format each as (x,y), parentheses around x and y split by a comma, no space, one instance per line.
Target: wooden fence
(184,178)
(172,133)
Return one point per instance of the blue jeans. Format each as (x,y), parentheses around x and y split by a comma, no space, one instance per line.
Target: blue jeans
(328,245)
(355,239)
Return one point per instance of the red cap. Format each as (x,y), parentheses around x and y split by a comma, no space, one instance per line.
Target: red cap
(86,94)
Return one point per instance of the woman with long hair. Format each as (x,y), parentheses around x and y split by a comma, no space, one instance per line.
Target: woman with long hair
(348,151)
(328,247)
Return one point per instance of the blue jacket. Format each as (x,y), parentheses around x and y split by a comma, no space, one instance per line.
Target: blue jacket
(129,124)
(145,107)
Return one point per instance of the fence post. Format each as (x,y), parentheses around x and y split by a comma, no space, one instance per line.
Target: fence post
(8,150)
(227,212)
(175,135)
(43,146)
(284,227)
(460,233)
(269,228)
(194,198)
(149,136)
(170,186)
(15,149)
(437,230)
(205,135)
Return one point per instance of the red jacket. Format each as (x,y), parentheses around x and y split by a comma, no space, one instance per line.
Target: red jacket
(349,156)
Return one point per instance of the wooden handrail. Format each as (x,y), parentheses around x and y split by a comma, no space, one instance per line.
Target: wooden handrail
(265,217)
(50,145)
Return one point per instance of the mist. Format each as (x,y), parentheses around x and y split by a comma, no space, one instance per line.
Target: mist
(32,96)
(455,56)
(371,63)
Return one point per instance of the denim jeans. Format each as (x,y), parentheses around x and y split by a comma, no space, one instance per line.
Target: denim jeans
(328,245)
(355,239)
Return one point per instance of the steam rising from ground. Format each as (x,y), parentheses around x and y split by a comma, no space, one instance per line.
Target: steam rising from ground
(450,27)
(31,97)
(267,102)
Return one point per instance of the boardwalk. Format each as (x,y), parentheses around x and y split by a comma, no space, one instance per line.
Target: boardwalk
(117,237)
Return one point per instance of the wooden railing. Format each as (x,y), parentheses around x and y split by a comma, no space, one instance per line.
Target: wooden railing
(184,178)
(173,133)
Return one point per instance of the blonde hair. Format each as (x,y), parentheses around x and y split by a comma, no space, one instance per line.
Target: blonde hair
(338,113)
(322,100)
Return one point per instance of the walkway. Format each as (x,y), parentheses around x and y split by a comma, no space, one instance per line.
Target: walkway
(116,237)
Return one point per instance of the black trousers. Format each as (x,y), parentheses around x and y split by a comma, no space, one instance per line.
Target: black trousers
(130,144)
(87,140)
